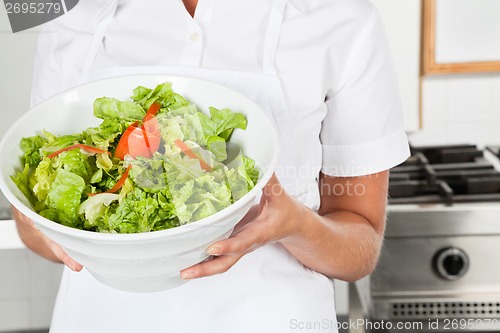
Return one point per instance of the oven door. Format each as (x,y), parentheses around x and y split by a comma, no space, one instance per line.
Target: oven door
(438,263)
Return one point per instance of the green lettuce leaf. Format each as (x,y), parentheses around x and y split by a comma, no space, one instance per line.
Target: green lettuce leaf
(76,162)
(218,147)
(242,176)
(200,197)
(149,174)
(140,212)
(21,179)
(111,108)
(94,211)
(222,122)
(104,135)
(31,149)
(162,94)
(54,143)
(189,122)
(44,176)
(64,198)
(251,170)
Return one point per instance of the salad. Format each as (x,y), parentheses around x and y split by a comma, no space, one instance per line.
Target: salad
(154,162)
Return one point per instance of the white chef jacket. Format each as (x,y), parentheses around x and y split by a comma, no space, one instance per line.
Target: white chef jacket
(345,116)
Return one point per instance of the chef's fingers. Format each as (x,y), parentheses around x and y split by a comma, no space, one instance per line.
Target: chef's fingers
(215,266)
(26,226)
(227,252)
(267,222)
(63,256)
(245,239)
(248,238)
(271,222)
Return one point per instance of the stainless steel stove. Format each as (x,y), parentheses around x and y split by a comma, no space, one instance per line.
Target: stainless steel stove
(441,257)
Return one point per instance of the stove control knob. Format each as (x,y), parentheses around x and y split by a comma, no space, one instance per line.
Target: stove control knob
(451,263)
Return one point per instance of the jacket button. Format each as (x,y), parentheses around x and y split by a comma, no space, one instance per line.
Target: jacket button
(194,37)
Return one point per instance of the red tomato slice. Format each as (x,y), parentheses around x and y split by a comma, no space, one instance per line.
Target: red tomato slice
(122,147)
(189,152)
(139,141)
(88,148)
(153,109)
(150,124)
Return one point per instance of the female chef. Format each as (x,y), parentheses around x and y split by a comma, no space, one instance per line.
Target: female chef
(322,71)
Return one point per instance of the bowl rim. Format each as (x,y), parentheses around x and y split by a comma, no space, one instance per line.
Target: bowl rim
(144,236)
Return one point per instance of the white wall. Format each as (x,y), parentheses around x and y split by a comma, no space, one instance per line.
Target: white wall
(28,283)
(460,109)
(16,64)
(402,22)
(455,108)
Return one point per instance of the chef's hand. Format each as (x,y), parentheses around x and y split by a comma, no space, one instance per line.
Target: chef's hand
(39,243)
(276,218)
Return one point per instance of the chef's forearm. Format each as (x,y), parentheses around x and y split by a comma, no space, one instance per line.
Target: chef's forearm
(32,237)
(341,245)
(344,240)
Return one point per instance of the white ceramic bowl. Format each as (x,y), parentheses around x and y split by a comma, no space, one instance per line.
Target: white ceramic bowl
(143,262)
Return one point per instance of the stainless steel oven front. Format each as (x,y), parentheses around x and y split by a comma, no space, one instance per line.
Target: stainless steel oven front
(440,262)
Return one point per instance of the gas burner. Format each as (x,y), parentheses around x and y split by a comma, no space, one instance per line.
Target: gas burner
(495,150)
(447,175)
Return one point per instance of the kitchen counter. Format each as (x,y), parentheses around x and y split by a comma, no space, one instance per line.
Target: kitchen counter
(9,239)
(30,331)
(29,285)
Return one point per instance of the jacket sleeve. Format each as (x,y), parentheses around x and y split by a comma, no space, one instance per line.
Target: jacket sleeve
(363,131)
